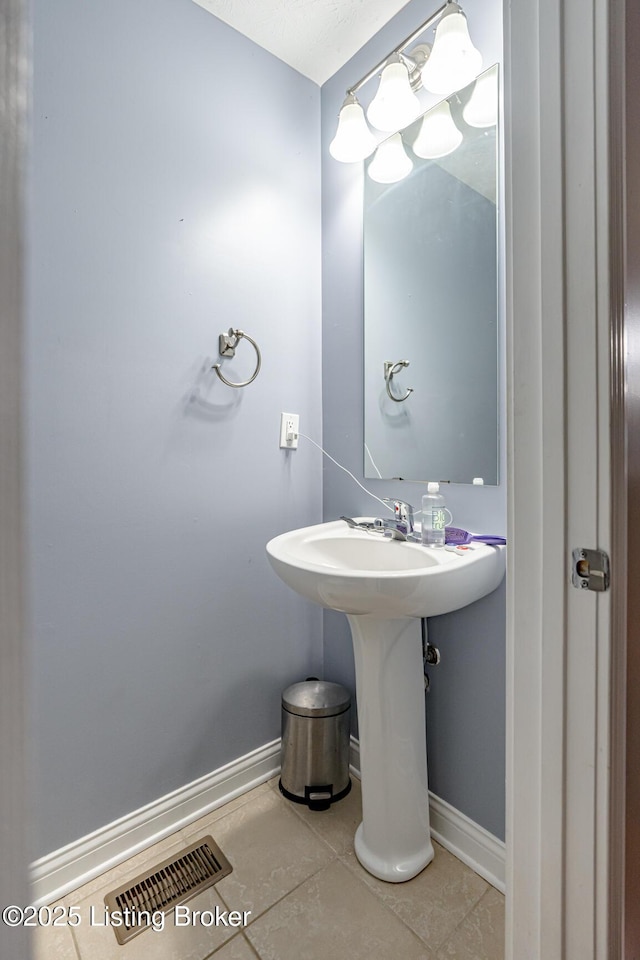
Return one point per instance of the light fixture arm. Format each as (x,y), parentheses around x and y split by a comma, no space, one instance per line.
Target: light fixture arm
(417,58)
(398,50)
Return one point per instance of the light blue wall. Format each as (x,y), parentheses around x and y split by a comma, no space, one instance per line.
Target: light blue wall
(175,191)
(466,705)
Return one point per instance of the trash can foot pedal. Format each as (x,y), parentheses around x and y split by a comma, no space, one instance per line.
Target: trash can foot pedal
(316,797)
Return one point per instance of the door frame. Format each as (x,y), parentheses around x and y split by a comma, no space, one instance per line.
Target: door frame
(559,491)
(624,847)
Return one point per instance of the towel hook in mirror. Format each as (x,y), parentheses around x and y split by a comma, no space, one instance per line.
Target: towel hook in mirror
(390,369)
(227,348)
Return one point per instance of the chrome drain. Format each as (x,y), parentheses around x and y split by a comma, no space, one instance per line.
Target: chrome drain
(173,881)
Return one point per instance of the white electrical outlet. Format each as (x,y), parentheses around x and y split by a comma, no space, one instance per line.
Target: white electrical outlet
(289,423)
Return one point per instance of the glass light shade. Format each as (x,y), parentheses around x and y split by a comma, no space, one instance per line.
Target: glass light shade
(454,61)
(395,105)
(390,163)
(481,110)
(353,140)
(438,134)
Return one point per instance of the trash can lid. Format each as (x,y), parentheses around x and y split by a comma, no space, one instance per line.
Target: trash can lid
(316,698)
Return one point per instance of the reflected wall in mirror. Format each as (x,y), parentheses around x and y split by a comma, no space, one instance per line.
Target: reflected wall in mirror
(431,299)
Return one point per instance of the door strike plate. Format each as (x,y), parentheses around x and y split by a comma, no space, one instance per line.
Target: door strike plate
(590,569)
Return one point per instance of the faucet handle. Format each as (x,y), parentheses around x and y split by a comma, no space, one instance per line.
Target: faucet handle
(401,511)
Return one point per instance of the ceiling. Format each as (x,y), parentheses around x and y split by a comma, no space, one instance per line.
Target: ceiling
(315,37)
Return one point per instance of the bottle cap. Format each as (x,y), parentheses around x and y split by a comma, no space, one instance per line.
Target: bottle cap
(433,486)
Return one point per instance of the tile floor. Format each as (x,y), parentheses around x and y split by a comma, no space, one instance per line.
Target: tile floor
(309,898)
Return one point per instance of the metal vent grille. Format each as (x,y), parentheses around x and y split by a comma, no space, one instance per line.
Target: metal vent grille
(173,881)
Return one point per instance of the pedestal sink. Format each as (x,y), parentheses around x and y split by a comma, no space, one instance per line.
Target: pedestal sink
(383,585)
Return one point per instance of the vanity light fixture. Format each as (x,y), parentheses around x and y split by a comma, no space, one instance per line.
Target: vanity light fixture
(353,140)
(395,105)
(391,162)
(455,62)
(438,135)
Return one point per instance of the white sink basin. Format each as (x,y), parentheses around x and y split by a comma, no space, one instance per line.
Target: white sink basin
(383,585)
(363,573)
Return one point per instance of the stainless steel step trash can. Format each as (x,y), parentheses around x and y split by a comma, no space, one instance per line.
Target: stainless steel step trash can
(315,743)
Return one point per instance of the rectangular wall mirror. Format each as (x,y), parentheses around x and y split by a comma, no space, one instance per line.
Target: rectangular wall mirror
(431,299)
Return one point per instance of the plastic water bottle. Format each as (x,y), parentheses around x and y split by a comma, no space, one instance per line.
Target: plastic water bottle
(433,516)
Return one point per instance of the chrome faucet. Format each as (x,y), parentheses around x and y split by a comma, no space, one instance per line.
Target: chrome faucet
(401,527)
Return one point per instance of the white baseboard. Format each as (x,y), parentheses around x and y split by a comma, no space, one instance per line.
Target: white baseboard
(466,840)
(64,870)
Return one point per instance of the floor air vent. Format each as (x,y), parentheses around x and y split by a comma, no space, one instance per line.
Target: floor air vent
(173,881)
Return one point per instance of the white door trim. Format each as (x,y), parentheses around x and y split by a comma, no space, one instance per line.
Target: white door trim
(558,490)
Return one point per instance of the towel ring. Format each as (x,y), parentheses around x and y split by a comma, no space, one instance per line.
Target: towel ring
(227,348)
(389,370)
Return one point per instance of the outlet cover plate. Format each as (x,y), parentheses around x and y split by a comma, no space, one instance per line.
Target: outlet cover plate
(289,423)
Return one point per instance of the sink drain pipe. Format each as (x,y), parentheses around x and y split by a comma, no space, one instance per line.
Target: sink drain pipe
(430,654)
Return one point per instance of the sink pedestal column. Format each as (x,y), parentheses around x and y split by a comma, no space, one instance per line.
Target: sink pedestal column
(393,842)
